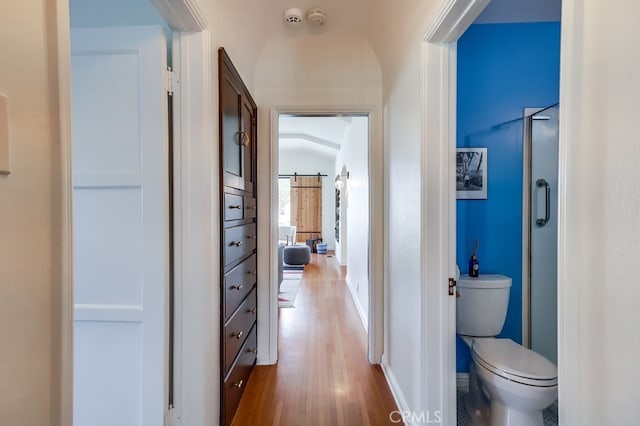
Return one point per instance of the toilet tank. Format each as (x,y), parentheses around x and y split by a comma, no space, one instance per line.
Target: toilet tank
(481,306)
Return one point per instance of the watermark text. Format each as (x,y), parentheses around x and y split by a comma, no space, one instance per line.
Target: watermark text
(415,417)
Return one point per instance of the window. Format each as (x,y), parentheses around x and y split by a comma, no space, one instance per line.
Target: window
(284,202)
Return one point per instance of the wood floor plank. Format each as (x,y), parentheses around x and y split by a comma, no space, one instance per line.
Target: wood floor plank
(322,376)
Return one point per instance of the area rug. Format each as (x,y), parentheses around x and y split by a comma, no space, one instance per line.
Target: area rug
(289,289)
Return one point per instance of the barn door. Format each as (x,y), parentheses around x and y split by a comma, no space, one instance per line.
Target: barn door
(306,206)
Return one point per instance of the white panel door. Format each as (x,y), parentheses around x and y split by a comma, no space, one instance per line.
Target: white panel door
(121,226)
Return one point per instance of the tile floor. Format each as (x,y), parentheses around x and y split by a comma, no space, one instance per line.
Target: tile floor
(550,414)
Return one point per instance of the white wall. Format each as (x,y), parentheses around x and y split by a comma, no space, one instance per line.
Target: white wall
(310,162)
(599,235)
(27,287)
(403,250)
(397,41)
(355,156)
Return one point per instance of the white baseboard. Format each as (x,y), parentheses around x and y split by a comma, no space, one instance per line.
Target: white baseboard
(354,297)
(396,392)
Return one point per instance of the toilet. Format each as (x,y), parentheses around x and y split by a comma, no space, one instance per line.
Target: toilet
(517,382)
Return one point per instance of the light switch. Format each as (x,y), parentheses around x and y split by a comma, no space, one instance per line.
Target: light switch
(4,135)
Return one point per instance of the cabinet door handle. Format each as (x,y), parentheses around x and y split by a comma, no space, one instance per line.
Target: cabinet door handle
(250,207)
(235,206)
(236,243)
(237,287)
(237,335)
(254,272)
(238,384)
(251,237)
(253,311)
(253,351)
(243,138)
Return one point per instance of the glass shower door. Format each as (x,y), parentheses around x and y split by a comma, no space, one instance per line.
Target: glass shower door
(544,233)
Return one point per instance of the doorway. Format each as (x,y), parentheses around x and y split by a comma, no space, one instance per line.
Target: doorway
(439,65)
(372,252)
(322,167)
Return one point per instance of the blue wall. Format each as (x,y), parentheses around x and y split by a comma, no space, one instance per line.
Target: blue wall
(502,69)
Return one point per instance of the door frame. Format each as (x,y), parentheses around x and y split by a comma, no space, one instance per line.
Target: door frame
(192,109)
(438,203)
(375,335)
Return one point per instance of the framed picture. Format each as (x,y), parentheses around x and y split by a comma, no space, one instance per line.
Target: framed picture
(471,173)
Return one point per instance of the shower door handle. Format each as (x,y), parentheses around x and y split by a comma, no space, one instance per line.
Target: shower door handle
(547,203)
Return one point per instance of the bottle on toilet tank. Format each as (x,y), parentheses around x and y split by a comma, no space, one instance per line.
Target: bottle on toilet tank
(474,265)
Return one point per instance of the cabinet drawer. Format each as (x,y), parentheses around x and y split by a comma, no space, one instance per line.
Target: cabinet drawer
(250,208)
(236,381)
(239,241)
(238,327)
(233,207)
(237,283)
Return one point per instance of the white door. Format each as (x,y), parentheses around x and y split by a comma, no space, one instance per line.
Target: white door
(121,226)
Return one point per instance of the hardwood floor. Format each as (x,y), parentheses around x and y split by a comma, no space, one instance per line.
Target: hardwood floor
(322,376)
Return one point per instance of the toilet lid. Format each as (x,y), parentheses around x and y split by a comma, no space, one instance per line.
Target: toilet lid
(515,362)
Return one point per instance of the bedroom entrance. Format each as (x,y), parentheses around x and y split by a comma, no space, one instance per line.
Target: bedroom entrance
(369,182)
(323,202)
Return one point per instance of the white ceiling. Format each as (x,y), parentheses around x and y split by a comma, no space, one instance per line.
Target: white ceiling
(321,135)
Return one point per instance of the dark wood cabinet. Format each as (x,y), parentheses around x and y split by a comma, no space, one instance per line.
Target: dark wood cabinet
(238,231)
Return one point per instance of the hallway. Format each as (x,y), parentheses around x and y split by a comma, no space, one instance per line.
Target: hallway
(322,376)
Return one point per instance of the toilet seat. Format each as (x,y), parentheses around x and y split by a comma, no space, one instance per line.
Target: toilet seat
(514,362)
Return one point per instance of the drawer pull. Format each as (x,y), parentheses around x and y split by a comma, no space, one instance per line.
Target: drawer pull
(236,206)
(237,287)
(251,237)
(253,311)
(238,385)
(254,272)
(237,335)
(236,243)
(253,351)
(250,207)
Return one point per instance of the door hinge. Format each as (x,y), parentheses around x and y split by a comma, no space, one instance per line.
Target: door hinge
(171,417)
(452,286)
(171,80)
